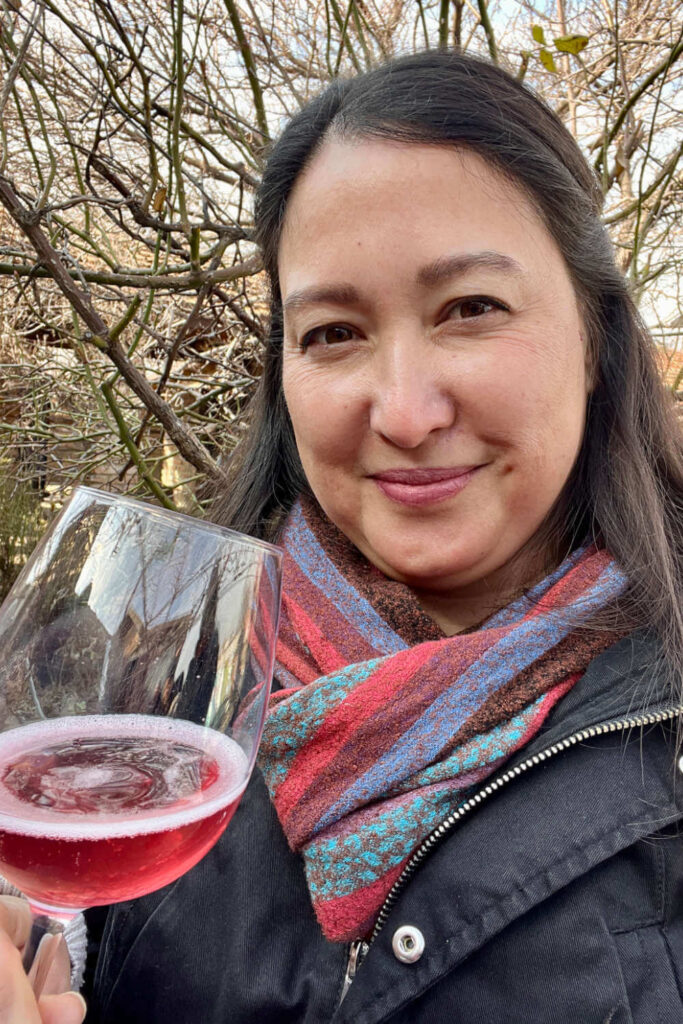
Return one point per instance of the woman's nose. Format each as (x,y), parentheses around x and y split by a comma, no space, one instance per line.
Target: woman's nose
(411,397)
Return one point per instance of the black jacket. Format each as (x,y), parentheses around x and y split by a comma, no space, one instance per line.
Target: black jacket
(557,896)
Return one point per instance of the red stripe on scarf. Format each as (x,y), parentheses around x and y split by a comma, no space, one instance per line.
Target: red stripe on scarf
(327,657)
(341,723)
(354,915)
(576,582)
(304,671)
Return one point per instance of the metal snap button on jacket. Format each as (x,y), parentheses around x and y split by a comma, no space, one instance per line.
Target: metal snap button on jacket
(408,944)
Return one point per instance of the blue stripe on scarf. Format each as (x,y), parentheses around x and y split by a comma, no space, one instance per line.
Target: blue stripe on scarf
(519,608)
(433,730)
(316,565)
(490,746)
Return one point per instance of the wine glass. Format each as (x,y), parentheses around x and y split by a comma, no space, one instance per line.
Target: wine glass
(136,656)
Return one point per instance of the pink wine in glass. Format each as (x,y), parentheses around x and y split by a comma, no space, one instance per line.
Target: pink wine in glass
(100,808)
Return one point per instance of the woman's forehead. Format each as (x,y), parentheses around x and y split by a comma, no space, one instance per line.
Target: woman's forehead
(342,163)
(418,207)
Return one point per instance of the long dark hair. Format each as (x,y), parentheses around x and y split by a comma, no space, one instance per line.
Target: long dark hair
(626,489)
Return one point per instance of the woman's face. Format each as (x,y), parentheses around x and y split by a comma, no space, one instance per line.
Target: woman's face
(434,366)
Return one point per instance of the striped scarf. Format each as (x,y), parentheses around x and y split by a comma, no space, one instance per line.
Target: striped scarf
(384,725)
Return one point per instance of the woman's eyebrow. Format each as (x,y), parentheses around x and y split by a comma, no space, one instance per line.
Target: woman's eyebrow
(335,295)
(432,274)
(459,263)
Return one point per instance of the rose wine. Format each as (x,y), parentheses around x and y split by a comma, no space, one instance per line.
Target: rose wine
(100,808)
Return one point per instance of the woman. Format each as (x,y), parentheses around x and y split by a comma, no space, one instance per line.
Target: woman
(467,806)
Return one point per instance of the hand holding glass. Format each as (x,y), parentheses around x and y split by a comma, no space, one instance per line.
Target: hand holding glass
(136,654)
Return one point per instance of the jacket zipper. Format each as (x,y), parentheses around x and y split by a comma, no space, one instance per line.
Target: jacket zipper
(358,950)
(356,954)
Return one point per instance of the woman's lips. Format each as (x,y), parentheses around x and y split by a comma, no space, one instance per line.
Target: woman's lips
(423,486)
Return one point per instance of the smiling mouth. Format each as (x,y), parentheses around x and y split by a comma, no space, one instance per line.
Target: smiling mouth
(423,486)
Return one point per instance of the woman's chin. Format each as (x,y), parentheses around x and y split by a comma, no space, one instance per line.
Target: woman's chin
(434,563)
(437,569)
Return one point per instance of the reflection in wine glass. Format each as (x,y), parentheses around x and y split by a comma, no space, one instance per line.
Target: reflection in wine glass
(136,653)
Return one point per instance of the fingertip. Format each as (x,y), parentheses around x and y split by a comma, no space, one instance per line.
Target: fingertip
(81,1008)
(67,1008)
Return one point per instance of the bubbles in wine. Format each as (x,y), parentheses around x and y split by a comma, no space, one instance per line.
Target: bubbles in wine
(86,776)
(93,775)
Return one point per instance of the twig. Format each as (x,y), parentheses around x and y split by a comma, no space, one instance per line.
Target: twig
(488,29)
(137,459)
(661,68)
(18,61)
(250,65)
(167,282)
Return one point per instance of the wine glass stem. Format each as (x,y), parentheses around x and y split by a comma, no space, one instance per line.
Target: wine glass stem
(45,936)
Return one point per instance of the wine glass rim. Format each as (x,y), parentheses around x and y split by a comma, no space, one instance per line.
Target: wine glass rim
(170,514)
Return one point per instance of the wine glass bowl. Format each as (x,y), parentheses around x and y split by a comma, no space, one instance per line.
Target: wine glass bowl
(136,653)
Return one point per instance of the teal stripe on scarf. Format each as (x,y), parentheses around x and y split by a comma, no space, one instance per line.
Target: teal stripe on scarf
(289,728)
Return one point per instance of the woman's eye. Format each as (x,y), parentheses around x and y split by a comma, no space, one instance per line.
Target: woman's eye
(474,306)
(330,334)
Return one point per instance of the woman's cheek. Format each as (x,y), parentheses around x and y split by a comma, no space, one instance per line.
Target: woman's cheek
(325,410)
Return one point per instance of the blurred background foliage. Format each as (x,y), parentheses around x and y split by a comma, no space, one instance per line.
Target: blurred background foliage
(132,136)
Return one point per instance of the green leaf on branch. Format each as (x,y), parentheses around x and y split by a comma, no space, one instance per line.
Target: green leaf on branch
(547,60)
(571,44)
(537,33)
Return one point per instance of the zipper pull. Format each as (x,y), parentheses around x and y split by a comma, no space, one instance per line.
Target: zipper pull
(357,952)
